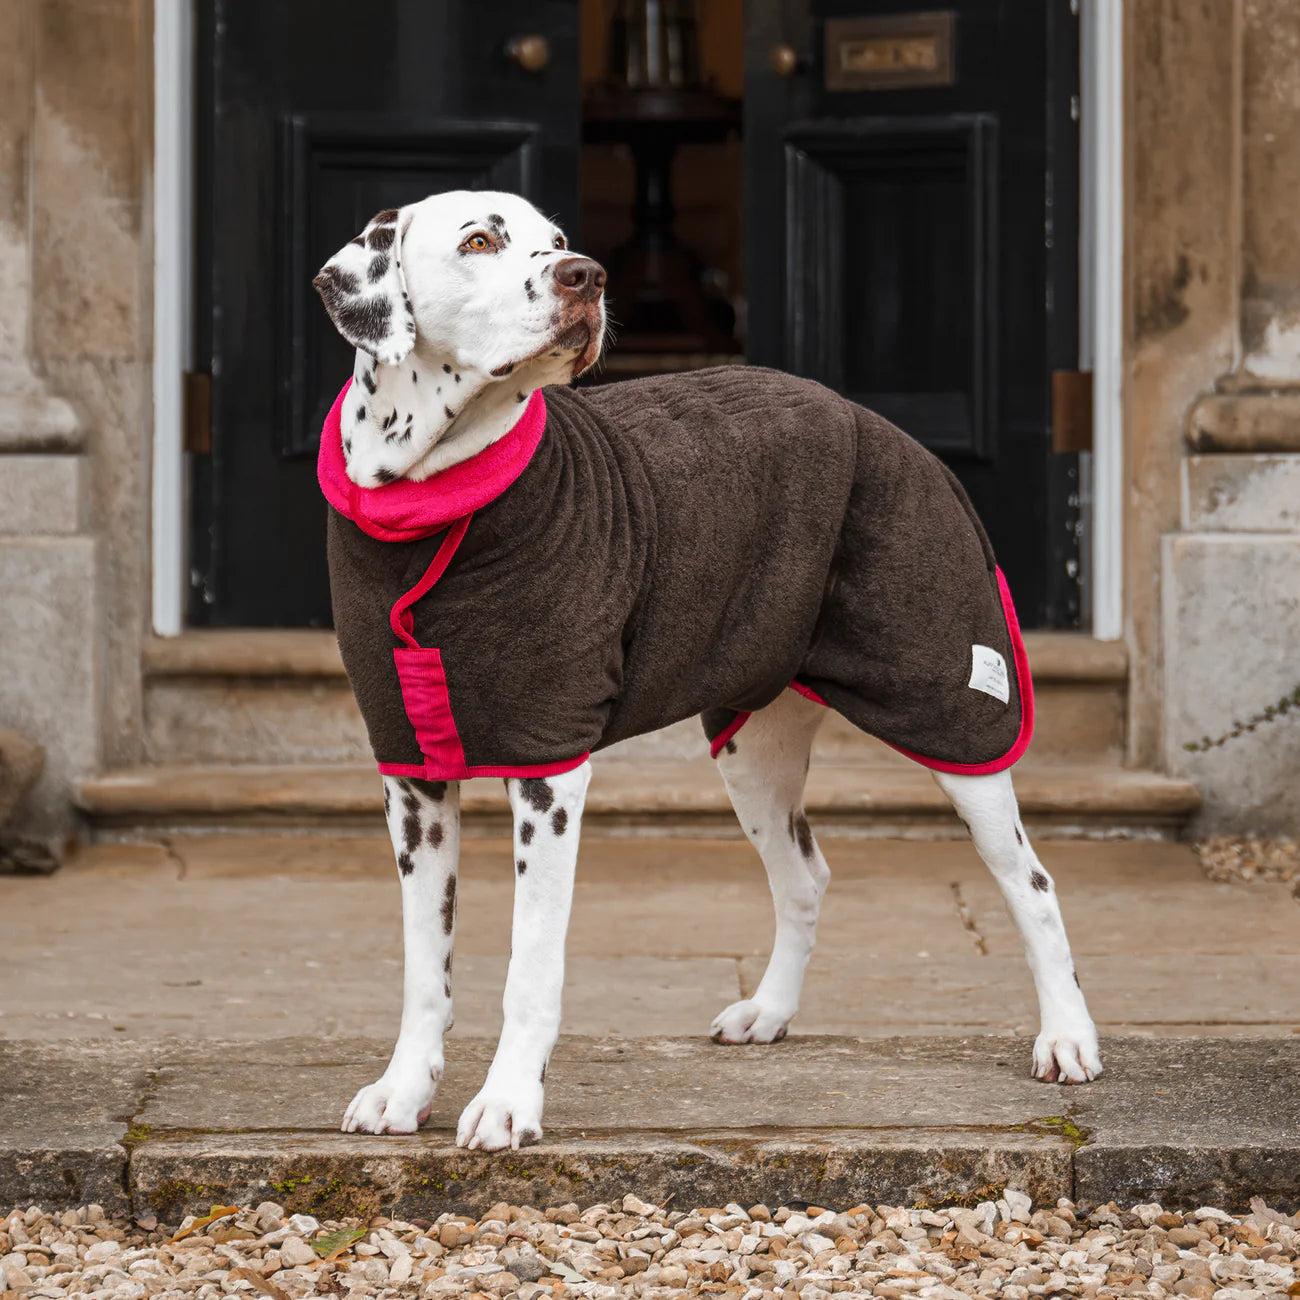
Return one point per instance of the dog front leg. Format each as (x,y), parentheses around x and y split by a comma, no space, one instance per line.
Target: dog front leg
(424,822)
(508,1109)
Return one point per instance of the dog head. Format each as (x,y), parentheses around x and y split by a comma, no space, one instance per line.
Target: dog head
(477,276)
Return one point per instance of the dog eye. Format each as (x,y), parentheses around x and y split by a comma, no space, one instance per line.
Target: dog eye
(478,243)
(559,242)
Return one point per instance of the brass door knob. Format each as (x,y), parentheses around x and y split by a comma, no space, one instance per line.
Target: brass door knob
(784,60)
(531,52)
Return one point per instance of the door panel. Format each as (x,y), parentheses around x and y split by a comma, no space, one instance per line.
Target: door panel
(926,240)
(905,206)
(294,155)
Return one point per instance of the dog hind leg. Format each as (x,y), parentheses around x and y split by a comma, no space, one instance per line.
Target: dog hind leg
(765,767)
(424,823)
(1066,1047)
(507,1112)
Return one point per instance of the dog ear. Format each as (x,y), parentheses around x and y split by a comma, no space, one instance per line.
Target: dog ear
(364,290)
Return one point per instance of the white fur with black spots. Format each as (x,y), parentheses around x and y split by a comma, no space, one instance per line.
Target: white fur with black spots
(507,1112)
(424,823)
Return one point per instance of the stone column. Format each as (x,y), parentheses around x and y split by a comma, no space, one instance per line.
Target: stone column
(49,594)
(1231,576)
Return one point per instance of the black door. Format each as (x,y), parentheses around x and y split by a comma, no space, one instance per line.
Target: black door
(912,211)
(312,116)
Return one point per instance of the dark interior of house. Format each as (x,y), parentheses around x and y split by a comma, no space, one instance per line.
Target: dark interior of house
(661,180)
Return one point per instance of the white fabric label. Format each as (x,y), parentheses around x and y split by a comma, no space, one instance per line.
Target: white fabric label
(988,673)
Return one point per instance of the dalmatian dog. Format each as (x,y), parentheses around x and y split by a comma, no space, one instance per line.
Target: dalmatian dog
(461,306)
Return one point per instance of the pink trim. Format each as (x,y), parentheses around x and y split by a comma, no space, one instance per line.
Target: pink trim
(405,511)
(424,695)
(423,681)
(808,693)
(1024,684)
(401,619)
(719,742)
(432,772)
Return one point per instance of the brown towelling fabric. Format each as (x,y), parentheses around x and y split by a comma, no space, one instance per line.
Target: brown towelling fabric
(693,544)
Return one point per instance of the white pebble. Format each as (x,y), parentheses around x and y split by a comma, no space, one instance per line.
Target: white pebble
(295,1251)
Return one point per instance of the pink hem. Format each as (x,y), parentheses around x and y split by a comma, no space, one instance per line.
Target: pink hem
(719,742)
(405,511)
(808,693)
(1024,684)
(435,772)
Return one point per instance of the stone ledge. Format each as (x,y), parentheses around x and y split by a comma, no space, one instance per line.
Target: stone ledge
(410,1176)
(1254,492)
(312,653)
(32,419)
(1246,422)
(245,652)
(684,791)
(835,1120)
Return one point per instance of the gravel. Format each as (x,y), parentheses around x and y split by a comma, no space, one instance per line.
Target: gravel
(1002,1248)
(1251,858)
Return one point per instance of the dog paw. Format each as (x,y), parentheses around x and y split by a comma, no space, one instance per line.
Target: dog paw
(1069,1056)
(391,1105)
(748,1022)
(495,1120)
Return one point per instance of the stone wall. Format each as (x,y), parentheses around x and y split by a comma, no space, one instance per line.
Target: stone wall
(1230,564)
(1181,292)
(1270,166)
(75,79)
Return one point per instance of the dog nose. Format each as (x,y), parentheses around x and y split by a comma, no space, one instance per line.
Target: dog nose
(582,276)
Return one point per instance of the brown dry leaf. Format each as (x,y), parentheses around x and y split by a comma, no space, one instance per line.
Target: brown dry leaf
(1293,1289)
(217,1212)
(259,1283)
(1265,1214)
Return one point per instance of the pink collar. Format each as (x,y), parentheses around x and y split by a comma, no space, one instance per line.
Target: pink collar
(405,511)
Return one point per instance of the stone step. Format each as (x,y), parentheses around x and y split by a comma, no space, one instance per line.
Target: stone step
(277,697)
(682,796)
(179,1126)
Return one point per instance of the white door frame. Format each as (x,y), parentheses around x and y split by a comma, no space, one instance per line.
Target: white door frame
(1101,288)
(1101,303)
(173,301)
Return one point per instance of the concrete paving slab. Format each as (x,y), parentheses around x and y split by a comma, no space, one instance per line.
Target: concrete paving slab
(830,1119)
(62,1118)
(236,936)
(1214,1120)
(834,1120)
(844,992)
(1195,919)
(617,1085)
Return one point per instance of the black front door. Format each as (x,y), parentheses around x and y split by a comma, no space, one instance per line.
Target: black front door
(312,116)
(911,221)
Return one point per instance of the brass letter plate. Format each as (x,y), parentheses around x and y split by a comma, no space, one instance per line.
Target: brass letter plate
(890,53)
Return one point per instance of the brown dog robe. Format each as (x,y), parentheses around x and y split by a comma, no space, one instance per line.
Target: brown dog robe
(630,555)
